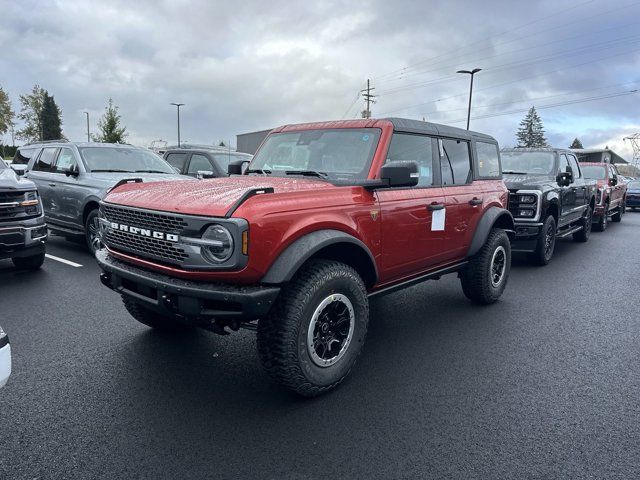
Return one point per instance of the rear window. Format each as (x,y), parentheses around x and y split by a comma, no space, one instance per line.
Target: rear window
(23,155)
(488,159)
(594,172)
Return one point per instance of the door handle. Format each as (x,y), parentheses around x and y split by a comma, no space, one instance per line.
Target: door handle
(475,201)
(52,184)
(435,206)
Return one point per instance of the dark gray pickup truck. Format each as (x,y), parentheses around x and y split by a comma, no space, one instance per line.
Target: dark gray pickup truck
(23,231)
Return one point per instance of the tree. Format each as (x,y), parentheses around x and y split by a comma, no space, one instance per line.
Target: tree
(576,143)
(109,126)
(50,121)
(221,143)
(531,131)
(6,113)
(30,114)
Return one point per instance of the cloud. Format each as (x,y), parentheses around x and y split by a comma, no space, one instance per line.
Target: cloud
(242,66)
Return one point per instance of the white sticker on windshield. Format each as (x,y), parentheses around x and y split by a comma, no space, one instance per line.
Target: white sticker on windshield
(437,220)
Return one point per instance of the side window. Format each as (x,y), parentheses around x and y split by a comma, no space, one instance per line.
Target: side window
(177,160)
(612,171)
(455,162)
(23,155)
(45,160)
(564,163)
(488,159)
(199,163)
(65,161)
(574,166)
(415,148)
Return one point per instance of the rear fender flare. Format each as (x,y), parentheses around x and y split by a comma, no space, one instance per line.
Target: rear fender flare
(491,217)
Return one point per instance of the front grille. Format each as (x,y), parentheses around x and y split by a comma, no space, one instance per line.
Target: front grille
(9,212)
(140,245)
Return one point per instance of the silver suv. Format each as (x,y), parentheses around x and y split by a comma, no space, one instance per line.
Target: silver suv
(73,177)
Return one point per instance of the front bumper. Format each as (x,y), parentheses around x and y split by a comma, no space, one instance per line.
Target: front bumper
(22,238)
(5,363)
(183,298)
(598,211)
(526,237)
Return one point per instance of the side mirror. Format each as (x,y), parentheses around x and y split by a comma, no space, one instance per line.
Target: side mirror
(202,174)
(238,167)
(613,181)
(400,174)
(564,178)
(71,171)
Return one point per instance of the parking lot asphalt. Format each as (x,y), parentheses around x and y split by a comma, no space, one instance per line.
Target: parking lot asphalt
(543,384)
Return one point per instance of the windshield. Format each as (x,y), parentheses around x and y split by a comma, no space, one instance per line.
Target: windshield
(119,159)
(344,153)
(633,185)
(3,165)
(535,163)
(223,159)
(593,172)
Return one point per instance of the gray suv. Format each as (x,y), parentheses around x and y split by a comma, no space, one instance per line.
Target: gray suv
(73,177)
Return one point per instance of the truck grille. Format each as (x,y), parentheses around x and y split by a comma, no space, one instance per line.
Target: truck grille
(144,246)
(11,210)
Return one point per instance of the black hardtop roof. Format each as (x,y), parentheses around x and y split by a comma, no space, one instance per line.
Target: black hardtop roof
(418,126)
(537,149)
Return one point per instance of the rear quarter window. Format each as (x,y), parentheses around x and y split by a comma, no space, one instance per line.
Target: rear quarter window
(488,159)
(23,155)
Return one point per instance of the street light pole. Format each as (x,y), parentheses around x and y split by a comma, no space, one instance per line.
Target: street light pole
(178,105)
(88,138)
(472,73)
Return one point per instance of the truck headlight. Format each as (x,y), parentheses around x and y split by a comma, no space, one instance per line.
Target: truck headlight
(219,244)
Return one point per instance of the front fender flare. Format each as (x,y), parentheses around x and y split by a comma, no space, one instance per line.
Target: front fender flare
(489,219)
(294,256)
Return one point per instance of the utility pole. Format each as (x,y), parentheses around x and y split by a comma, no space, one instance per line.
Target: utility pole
(178,105)
(472,73)
(88,137)
(635,144)
(369,98)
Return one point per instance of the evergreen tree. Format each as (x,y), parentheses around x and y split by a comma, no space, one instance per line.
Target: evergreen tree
(50,121)
(531,131)
(30,114)
(221,143)
(576,143)
(6,113)
(109,126)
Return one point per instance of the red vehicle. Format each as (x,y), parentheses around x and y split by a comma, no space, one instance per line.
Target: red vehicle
(611,197)
(326,216)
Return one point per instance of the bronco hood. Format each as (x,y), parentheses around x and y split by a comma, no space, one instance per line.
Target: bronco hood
(531,182)
(212,198)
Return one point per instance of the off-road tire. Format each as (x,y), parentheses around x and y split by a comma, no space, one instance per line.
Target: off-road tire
(89,226)
(542,255)
(617,217)
(151,318)
(29,263)
(476,277)
(282,335)
(603,221)
(587,223)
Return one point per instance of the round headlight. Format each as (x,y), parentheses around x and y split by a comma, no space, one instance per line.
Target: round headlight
(219,246)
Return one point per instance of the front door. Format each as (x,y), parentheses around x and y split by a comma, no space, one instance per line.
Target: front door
(42,175)
(569,195)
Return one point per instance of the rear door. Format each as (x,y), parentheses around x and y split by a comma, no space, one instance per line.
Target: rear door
(411,241)
(41,173)
(463,197)
(70,191)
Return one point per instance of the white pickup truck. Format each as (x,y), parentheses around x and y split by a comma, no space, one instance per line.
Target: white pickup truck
(5,358)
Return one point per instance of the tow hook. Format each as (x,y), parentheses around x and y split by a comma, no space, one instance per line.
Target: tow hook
(105,278)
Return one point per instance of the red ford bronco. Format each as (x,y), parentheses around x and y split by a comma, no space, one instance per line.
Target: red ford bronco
(324,217)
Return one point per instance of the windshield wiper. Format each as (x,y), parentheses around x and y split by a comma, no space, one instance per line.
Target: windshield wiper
(309,173)
(150,171)
(259,170)
(511,172)
(112,170)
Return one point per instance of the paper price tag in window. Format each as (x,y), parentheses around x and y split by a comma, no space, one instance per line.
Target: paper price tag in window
(437,220)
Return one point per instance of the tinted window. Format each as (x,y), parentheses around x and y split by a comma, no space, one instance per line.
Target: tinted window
(177,160)
(594,172)
(45,160)
(574,166)
(488,159)
(23,155)
(199,163)
(455,162)
(65,161)
(414,148)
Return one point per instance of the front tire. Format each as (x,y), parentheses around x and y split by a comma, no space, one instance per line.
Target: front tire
(546,242)
(485,276)
(314,333)
(92,232)
(29,263)
(603,221)
(152,319)
(617,217)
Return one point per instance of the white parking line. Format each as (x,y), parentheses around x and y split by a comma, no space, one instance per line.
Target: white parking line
(62,260)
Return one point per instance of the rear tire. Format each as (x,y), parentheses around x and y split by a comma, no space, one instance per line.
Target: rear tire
(485,276)
(587,222)
(151,318)
(324,309)
(29,263)
(546,242)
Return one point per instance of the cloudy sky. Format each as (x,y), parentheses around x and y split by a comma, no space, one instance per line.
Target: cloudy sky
(250,65)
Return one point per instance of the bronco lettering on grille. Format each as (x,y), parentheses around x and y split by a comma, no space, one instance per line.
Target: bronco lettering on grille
(144,232)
